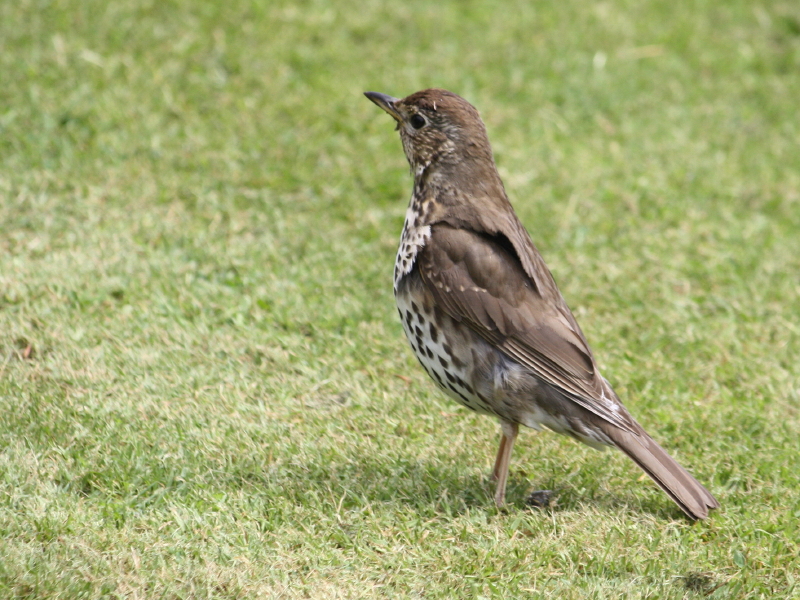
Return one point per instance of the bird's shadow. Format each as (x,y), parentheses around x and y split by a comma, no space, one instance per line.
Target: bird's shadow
(438,489)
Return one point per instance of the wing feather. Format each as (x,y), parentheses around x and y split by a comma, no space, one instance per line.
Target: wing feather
(479,280)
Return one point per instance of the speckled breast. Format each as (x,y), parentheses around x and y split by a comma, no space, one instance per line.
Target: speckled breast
(440,344)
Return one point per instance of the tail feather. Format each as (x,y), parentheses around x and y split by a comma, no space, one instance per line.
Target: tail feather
(688,493)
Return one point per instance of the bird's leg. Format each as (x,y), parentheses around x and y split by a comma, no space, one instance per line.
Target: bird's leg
(500,472)
(496,470)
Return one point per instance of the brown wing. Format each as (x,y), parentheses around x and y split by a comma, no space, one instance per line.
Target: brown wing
(479,280)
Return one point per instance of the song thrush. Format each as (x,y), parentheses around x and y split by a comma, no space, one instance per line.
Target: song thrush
(482,311)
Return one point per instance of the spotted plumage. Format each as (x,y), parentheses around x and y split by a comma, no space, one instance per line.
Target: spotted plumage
(481,310)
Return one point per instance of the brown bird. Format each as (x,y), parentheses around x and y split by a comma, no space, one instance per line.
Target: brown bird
(482,311)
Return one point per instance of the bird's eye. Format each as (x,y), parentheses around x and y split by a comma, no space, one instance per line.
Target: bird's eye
(417,121)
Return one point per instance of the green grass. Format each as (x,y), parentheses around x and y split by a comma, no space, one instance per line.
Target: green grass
(204,388)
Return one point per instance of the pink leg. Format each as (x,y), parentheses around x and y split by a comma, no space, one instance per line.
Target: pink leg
(500,472)
(498,458)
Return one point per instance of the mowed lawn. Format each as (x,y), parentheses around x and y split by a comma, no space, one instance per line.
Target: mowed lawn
(205,391)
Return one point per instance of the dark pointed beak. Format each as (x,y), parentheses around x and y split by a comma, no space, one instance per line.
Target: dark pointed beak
(385,102)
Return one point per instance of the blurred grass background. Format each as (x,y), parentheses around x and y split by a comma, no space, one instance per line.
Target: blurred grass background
(204,391)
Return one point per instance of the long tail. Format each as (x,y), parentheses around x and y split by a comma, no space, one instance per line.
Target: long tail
(685,490)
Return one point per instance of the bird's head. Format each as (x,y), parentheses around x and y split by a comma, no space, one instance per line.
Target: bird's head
(437,128)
